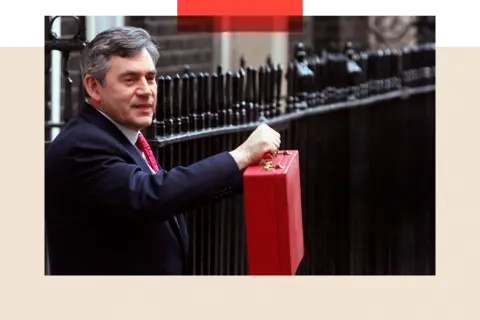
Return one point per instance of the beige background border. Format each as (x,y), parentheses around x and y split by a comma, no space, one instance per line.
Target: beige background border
(28,294)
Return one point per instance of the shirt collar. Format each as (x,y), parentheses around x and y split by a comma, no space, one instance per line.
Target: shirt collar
(131,135)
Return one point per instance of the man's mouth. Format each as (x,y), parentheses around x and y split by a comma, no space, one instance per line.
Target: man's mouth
(143,106)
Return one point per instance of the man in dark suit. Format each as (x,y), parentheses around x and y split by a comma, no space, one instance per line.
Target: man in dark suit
(110,209)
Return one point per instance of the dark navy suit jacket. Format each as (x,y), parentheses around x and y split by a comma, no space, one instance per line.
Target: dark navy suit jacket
(107,214)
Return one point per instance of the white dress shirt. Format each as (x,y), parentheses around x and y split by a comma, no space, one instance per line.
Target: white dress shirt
(131,135)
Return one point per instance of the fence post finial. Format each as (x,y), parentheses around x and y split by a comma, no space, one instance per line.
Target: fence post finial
(304,77)
(243,62)
(300,52)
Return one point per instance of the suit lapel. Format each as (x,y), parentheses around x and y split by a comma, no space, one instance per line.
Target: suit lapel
(137,156)
(98,119)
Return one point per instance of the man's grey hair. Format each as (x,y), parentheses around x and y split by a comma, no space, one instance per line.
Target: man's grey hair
(118,41)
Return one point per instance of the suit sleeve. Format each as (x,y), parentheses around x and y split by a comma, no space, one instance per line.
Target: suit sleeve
(106,179)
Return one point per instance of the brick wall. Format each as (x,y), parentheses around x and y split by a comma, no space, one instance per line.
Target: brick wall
(333,32)
(354,29)
(178,49)
(326,30)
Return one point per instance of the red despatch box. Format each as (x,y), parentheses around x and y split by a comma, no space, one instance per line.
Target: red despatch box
(273,215)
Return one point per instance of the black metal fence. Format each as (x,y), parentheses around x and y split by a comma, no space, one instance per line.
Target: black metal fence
(364,125)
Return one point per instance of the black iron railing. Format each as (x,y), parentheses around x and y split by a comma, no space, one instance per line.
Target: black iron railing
(364,125)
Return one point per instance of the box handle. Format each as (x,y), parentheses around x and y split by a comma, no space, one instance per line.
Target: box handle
(268,163)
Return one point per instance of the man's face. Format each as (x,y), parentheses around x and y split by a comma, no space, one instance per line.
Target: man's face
(129,95)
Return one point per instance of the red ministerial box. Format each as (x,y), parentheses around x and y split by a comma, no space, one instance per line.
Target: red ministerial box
(273,215)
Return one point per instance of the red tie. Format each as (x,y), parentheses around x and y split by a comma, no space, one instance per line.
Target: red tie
(142,144)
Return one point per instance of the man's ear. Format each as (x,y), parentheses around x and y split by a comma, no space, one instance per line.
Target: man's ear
(92,87)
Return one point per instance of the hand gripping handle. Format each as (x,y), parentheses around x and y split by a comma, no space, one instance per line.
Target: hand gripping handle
(268,159)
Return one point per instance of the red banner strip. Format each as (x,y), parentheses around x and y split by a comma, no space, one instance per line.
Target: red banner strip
(210,24)
(239,8)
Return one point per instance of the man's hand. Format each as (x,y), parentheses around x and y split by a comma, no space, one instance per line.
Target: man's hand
(263,140)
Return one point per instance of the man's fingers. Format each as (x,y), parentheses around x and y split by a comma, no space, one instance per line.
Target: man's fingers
(276,144)
(278,140)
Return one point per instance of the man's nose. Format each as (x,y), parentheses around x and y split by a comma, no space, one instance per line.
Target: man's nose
(143,88)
